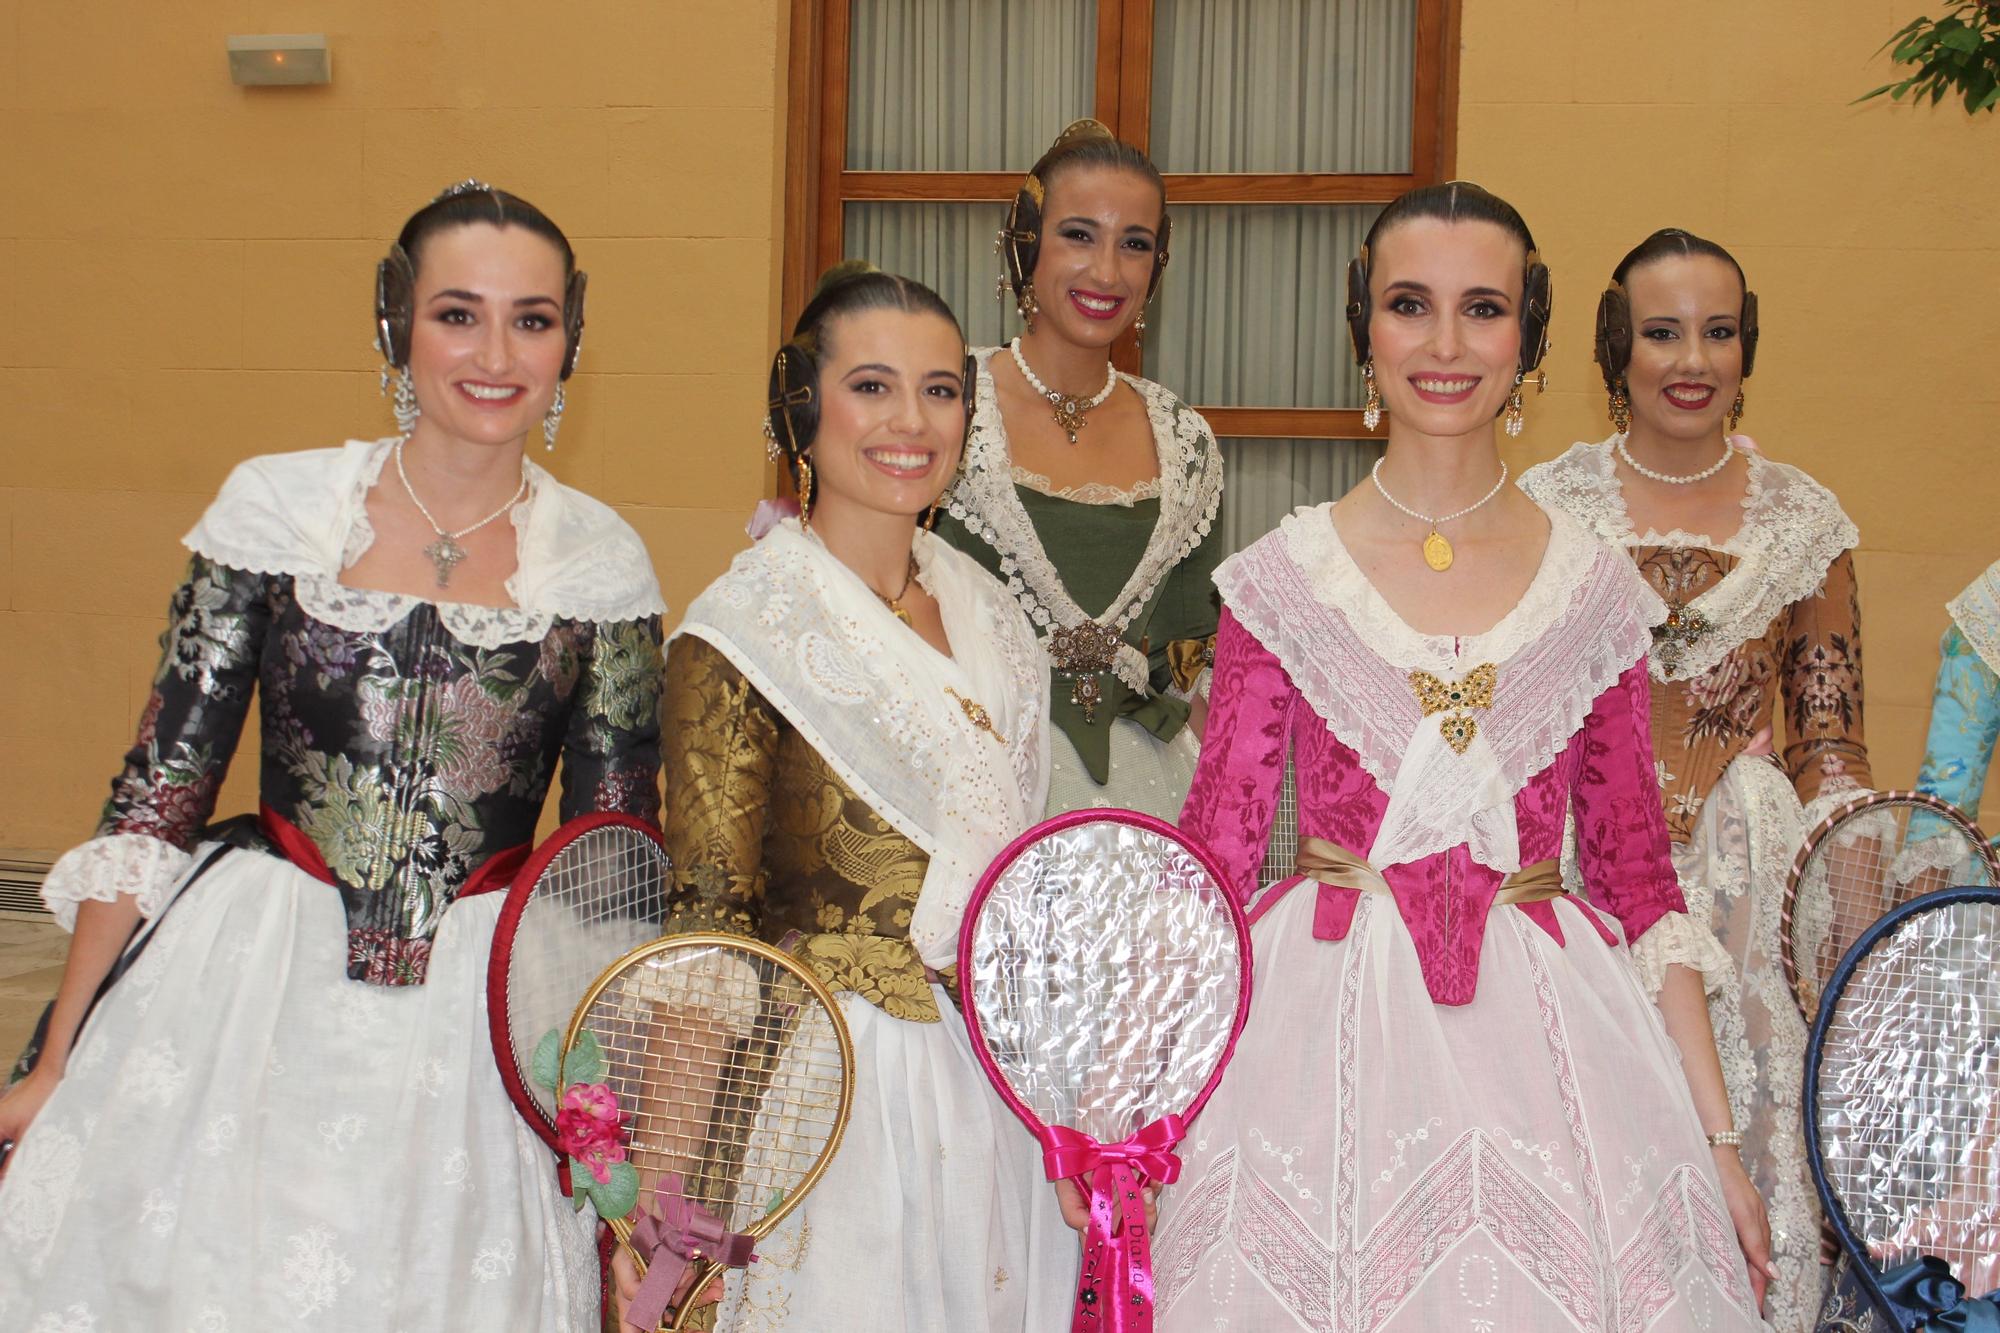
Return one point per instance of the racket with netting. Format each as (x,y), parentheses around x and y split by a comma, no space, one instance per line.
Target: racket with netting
(732,1074)
(1105,970)
(1902,1105)
(1875,851)
(592,892)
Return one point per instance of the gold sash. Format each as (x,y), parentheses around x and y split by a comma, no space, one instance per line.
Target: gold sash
(1330,863)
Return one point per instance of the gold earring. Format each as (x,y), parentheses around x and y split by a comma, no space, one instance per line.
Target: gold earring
(1139,328)
(1371,411)
(1736,411)
(805,492)
(937,507)
(1029,308)
(1514,413)
(1621,409)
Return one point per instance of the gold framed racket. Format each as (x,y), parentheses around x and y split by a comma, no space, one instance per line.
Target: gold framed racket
(732,1072)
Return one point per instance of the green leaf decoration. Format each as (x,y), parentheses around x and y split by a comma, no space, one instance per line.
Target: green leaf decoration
(585,1061)
(547,1051)
(776,1201)
(1957,54)
(618,1195)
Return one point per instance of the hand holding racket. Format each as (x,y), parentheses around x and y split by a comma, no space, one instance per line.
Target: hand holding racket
(1106,974)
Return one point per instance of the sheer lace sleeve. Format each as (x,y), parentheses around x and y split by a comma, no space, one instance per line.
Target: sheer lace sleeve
(1965,724)
(611,755)
(1621,828)
(721,746)
(1825,750)
(1234,798)
(160,802)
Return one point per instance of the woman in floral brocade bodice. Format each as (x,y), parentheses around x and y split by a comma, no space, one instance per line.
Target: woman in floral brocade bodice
(1756,713)
(856,724)
(285,1106)
(1460,1100)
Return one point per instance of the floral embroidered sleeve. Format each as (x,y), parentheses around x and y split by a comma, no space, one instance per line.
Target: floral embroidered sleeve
(1965,725)
(1825,750)
(1234,798)
(721,747)
(1621,829)
(611,755)
(163,798)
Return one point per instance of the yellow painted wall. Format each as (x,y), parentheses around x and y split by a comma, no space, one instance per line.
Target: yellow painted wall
(189,264)
(189,269)
(1871,233)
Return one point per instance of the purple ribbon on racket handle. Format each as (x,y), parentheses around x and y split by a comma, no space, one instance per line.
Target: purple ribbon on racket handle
(670,1235)
(1115,1291)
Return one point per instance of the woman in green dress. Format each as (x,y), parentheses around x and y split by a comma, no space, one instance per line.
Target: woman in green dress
(1092,493)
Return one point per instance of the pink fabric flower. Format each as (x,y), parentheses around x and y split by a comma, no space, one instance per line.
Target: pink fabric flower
(591,1128)
(769,514)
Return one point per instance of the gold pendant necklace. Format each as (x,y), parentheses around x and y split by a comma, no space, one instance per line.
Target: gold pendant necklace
(1437,551)
(895,604)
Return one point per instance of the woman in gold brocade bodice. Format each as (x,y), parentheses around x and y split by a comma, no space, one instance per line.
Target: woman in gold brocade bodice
(856,723)
(1754,560)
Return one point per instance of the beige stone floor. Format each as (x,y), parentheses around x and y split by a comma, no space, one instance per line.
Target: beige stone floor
(31,958)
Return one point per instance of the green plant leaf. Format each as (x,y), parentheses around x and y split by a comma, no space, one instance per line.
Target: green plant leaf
(547,1053)
(585,1061)
(618,1195)
(1957,36)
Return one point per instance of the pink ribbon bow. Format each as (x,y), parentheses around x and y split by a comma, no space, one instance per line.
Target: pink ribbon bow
(1115,1290)
(671,1234)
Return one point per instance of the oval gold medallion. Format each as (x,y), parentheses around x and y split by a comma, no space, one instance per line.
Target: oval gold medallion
(1437,551)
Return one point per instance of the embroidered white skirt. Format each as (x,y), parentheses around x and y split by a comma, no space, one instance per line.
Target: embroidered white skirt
(933,1213)
(1147,774)
(1373,1160)
(246,1140)
(1733,871)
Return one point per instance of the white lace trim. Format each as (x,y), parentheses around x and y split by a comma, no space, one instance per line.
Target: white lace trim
(1976,612)
(99,871)
(1793,529)
(1678,938)
(305,514)
(1585,620)
(1190,483)
(1091,492)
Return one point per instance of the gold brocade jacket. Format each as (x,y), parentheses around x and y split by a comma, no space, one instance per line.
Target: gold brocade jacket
(767,841)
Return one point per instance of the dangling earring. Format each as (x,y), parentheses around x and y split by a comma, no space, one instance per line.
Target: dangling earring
(805,492)
(1371,411)
(937,507)
(1621,409)
(1139,328)
(553,421)
(1029,308)
(1514,413)
(404,405)
(1736,412)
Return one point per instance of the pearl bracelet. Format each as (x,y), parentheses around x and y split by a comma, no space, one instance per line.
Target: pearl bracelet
(1726,1138)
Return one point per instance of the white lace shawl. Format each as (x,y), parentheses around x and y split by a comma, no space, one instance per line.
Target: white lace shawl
(1976,612)
(984,499)
(1793,528)
(305,514)
(875,701)
(1585,619)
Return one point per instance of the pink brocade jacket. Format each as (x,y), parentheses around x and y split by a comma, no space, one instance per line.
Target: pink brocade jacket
(1310,657)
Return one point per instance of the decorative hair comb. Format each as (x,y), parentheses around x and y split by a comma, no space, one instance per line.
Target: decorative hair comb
(466,186)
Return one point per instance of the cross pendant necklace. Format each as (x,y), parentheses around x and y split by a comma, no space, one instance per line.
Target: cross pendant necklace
(445,553)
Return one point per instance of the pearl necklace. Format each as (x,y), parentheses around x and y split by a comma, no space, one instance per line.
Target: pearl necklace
(1069,410)
(1437,551)
(1728,452)
(445,552)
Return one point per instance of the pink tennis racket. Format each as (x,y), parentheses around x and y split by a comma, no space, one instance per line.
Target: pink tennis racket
(595,890)
(1105,970)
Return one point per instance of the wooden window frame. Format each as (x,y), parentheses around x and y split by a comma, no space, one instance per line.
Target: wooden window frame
(819,185)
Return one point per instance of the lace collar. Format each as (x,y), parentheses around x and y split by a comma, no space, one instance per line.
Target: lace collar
(1091,492)
(1586,618)
(305,515)
(1792,530)
(1976,612)
(984,499)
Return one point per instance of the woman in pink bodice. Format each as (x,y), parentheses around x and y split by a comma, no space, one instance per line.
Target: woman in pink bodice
(1461,1099)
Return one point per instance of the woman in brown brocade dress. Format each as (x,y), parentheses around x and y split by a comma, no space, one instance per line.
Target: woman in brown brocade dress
(1755,562)
(856,723)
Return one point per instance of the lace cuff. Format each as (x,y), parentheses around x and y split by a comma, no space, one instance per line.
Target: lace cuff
(99,871)
(1679,938)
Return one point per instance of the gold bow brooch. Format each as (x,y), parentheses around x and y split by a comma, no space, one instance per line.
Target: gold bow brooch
(1475,690)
